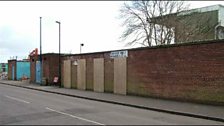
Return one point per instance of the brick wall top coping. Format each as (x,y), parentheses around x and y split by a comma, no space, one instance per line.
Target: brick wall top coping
(154,47)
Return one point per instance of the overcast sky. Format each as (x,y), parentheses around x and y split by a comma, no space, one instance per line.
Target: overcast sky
(94,23)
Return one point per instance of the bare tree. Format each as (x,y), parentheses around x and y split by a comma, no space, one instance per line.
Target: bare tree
(150,22)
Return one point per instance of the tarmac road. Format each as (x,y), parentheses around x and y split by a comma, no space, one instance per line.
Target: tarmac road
(29,107)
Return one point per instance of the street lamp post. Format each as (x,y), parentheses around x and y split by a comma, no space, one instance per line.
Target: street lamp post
(59,59)
(40,52)
(81,47)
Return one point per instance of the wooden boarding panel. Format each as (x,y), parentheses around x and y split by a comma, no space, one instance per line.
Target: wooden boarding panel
(98,79)
(74,76)
(120,75)
(81,76)
(67,74)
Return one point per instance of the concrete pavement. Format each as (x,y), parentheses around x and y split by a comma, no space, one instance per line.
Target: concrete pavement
(210,112)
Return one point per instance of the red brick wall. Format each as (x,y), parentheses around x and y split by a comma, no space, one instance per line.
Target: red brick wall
(50,67)
(192,72)
(10,64)
(33,60)
(53,67)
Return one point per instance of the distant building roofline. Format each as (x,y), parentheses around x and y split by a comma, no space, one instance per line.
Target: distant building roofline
(201,9)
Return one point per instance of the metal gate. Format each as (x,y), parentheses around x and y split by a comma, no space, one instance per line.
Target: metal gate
(38,72)
(22,70)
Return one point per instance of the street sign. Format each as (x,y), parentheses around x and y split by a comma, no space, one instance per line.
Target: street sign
(117,54)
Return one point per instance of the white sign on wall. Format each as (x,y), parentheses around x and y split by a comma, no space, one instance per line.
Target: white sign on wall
(75,63)
(117,54)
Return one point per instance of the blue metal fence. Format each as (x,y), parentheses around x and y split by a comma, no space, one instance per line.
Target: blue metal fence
(22,70)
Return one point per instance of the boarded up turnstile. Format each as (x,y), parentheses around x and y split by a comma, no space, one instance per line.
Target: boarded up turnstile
(98,75)
(81,76)
(120,75)
(74,74)
(67,74)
